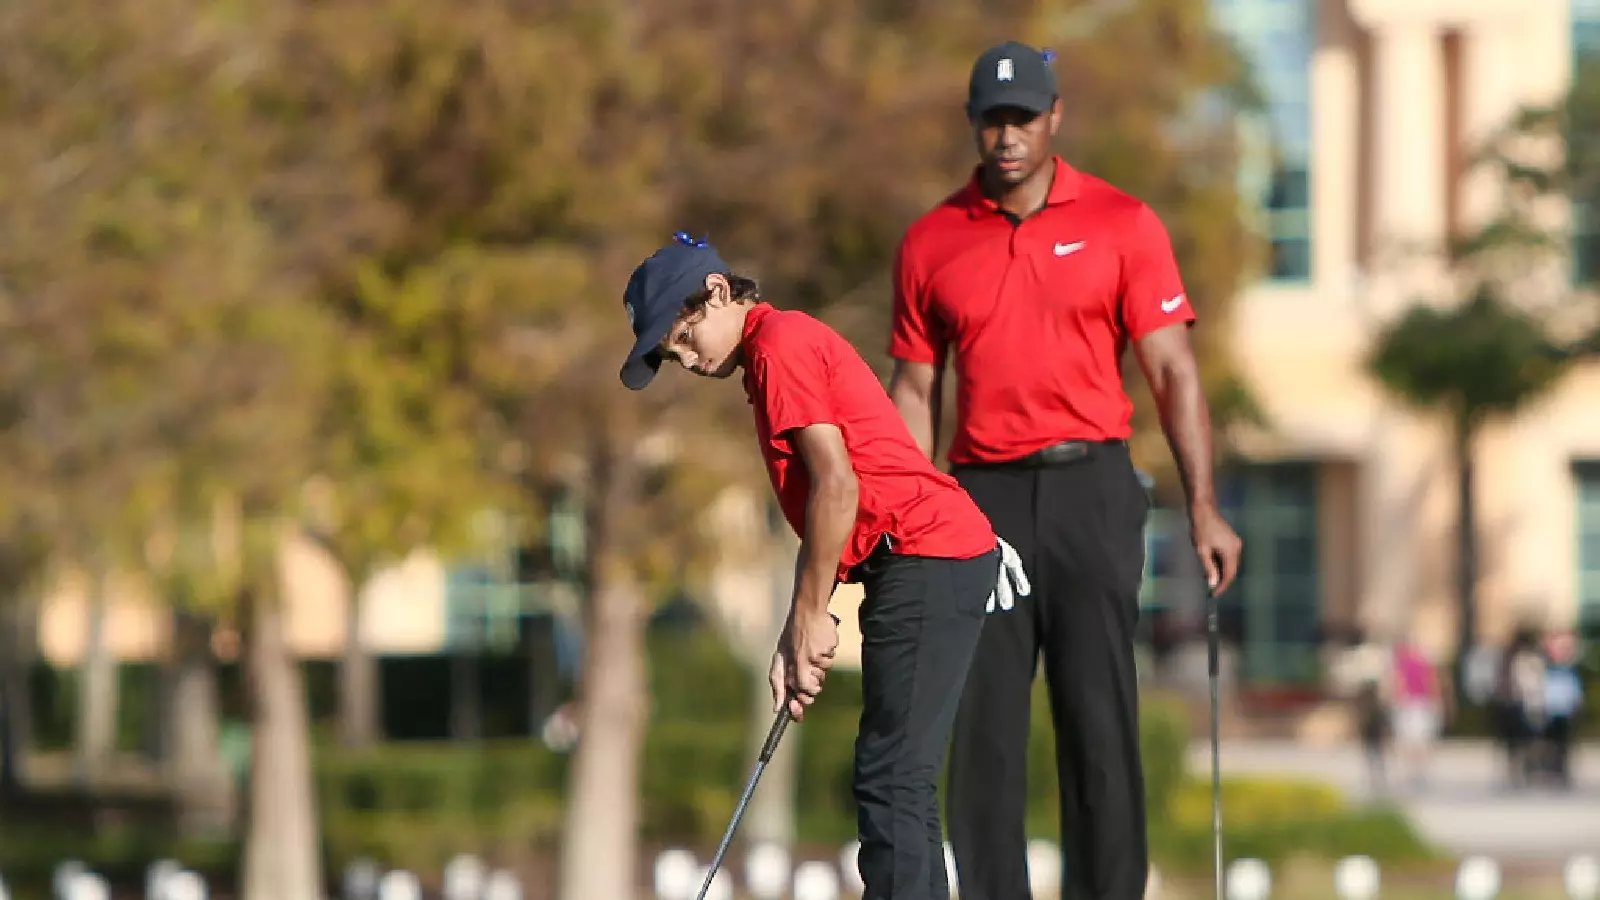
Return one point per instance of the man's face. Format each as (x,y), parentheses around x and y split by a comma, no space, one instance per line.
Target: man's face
(1014,143)
(706,342)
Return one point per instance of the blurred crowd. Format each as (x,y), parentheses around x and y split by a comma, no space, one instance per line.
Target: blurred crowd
(1528,690)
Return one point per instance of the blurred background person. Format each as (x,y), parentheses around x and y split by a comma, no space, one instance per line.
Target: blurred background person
(1563,701)
(1418,709)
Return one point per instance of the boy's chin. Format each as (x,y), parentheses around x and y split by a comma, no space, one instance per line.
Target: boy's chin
(720,373)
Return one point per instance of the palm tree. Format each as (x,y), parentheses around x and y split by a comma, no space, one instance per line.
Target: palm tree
(1491,355)
(1483,359)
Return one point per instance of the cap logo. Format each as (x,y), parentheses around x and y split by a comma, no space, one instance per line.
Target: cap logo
(629,307)
(1005,70)
(683,237)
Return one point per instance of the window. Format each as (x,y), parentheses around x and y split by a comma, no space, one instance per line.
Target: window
(1587,476)
(1166,535)
(1586,78)
(495,588)
(1276,37)
(1277,598)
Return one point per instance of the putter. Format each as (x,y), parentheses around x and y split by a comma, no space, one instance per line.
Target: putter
(1213,639)
(774,735)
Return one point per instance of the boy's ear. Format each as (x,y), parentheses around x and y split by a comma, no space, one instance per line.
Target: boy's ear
(718,288)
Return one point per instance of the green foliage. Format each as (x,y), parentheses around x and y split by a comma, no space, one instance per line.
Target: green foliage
(381,246)
(1481,358)
(1383,834)
(422,803)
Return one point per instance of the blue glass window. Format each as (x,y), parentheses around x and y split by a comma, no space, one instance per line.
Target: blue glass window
(1587,476)
(1277,598)
(1277,38)
(1585,69)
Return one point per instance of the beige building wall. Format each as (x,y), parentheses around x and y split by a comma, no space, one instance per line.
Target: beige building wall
(1400,92)
(403,610)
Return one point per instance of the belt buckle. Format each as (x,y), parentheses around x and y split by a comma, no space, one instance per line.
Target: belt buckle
(1064,452)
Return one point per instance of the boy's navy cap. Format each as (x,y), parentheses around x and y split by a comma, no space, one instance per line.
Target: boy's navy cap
(1011,74)
(654,299)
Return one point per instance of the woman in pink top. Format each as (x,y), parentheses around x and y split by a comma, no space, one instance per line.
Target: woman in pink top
(1418,708)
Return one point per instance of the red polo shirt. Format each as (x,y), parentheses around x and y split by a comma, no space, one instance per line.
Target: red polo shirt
(800,372)
(1039,313)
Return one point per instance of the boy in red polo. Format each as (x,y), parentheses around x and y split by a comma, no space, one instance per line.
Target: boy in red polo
(869,507)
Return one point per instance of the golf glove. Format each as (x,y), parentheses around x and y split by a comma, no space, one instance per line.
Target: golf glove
(1012,581)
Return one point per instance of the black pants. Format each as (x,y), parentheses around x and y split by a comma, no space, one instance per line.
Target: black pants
(920,621)
(1079,530)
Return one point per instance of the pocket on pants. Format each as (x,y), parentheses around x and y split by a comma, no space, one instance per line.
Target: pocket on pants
(969,582)
(895,598)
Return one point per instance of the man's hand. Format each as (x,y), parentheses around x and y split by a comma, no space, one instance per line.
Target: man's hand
(805,654)
(1217,546)
(1013,581)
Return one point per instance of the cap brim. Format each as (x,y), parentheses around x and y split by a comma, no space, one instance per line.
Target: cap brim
(1021,98)
(644,360)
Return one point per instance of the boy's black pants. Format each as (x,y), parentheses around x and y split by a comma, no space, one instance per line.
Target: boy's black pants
(1078,527)
(920,621)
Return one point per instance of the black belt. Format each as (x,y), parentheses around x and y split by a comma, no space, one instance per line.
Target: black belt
(1059,454)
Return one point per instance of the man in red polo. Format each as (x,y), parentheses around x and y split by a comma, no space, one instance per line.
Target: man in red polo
(1039,277)
(869,507)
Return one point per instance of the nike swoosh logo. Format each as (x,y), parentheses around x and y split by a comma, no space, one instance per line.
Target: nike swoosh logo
(1064,249)
(1170,306)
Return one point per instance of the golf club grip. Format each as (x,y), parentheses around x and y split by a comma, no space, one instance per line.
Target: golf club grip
(775,733)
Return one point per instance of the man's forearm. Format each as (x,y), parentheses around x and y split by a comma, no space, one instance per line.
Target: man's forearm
(830,518)
(1186,422)
(920,411)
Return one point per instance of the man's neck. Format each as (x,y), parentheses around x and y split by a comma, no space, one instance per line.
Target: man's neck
(1024,199)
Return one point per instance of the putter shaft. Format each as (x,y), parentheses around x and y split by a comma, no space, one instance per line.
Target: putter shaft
(1213,639)
(774,735)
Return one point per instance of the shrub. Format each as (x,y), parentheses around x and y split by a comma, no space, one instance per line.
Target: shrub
(1276,818)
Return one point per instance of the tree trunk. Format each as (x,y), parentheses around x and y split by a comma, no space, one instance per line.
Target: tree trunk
(1466,554)
(359,684)
(194,763)
(16,707)
(97,692)
(466,688)
(598,855)
(281,855)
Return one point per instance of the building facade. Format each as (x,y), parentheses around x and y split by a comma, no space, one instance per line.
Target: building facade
(1349,515)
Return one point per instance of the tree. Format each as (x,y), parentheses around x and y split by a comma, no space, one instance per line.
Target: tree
(166,275)
(382,248)
(405,465)
(1499,349)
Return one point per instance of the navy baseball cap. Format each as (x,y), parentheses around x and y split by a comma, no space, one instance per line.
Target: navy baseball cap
(1011,74)
(654,299)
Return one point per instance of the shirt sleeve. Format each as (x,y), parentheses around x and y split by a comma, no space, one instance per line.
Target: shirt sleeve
(792,373)
(1153,295)
(916,334)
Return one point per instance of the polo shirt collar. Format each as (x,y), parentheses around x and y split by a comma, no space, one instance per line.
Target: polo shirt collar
(753,319)
(1063,189)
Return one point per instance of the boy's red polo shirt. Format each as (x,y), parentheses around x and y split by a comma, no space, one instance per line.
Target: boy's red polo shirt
(800,372)
(1039,313)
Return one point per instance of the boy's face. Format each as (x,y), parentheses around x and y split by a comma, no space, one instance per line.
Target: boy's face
(706,341)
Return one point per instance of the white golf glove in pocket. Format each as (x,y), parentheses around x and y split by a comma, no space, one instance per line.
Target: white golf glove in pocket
(1012,581)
